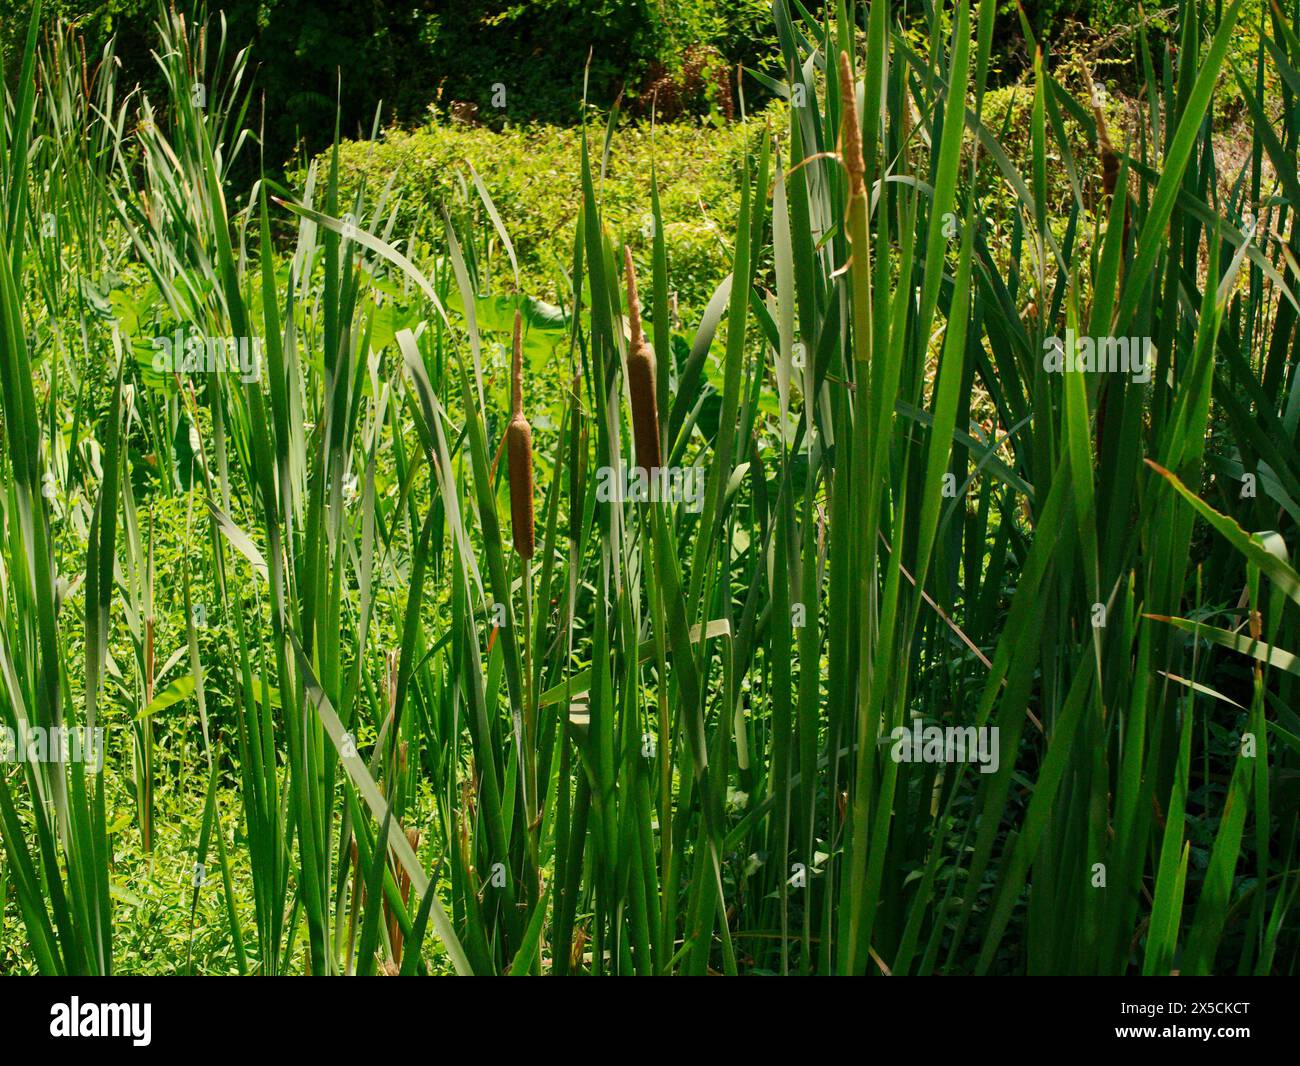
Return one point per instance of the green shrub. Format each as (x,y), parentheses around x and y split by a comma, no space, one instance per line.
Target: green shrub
(532,174)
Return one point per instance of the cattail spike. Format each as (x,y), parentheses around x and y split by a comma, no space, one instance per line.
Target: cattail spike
(851,148)
(517,369)
(1109,159)
(633,303)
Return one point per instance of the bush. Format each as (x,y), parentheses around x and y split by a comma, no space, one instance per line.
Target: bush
(532,174)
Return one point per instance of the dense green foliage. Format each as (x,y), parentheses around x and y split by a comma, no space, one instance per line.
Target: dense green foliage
(529,171)
(353,61)
(373,699)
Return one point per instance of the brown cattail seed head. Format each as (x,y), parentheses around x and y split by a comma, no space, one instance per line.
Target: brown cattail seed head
(851,146)
(1109,169)
(519,451)
(641,381)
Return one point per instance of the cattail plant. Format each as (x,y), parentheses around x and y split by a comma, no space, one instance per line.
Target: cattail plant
(519,448)
(641,381)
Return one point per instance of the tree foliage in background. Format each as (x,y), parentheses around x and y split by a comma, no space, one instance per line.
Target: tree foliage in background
(398,59)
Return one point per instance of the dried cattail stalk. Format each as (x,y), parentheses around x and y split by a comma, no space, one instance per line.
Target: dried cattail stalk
(1109,158)
(391,680)
(404,887)
(851,147)
(354,908)
(519,450)
(641,381)
(357,887)
(905,136)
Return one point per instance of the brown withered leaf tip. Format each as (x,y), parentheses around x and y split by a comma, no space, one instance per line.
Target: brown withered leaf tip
(519,452)
(641,381)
